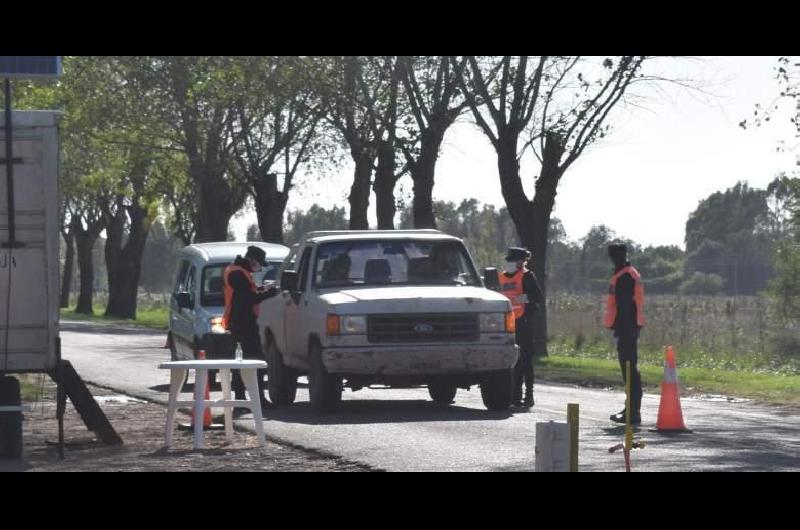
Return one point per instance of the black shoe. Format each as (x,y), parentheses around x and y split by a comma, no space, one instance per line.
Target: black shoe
(528,402)
(267,405)
(240,411)
(619,417)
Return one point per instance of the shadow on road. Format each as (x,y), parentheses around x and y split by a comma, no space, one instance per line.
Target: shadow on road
(369,411)
(107,329)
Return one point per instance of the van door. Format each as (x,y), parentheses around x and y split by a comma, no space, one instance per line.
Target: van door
(295,326)
(178,333)
(184,318)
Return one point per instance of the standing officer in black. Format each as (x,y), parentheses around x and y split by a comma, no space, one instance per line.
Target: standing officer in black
(242,299)
(625,316)
(519,284)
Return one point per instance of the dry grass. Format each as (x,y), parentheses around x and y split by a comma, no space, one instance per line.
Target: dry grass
(714,332)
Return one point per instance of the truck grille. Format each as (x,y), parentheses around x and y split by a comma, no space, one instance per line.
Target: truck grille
(436,327)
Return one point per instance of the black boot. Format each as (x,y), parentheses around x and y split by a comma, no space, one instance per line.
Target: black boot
(528,401)
(619,417)
(516,398)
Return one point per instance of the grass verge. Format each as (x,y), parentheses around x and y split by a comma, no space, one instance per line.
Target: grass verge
(775,388)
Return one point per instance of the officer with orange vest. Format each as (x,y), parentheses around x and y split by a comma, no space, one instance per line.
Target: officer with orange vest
(520,286)
(625,316)
(242,299)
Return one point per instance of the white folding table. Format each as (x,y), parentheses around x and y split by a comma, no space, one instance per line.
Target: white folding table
(248,370)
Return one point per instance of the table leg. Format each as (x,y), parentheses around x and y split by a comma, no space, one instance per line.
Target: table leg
(251,382)
(225,381)
(176,376)
(200,380)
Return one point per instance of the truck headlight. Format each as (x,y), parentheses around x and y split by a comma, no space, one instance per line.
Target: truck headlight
(353,324)
(493,323)
(215,325)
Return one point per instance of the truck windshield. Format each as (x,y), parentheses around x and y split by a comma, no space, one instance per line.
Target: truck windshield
(212,295)
(391,262)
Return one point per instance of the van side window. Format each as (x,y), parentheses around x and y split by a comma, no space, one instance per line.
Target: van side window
(191,281)
(302,270)
(180,278)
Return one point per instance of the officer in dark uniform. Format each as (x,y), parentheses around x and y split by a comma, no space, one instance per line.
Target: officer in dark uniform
(625,316)
(519,284)
(242,298)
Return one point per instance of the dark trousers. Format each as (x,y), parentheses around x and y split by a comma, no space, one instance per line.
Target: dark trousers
(251,349)
(627,351)
(523,371)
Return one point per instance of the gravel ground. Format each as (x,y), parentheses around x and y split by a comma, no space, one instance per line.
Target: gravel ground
(141,426)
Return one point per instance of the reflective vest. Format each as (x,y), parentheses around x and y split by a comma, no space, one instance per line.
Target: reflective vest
(638,297)
(228,292)
(512,288)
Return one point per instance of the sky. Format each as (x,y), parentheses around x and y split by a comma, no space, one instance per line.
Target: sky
(645,178)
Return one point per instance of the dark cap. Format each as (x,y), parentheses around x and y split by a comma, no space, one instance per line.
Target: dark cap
(517,254)
(258,254)
(617,251)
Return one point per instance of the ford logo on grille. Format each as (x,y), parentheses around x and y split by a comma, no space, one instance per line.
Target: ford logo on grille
(423,328)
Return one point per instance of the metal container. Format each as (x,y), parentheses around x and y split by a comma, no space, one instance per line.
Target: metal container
(29,274)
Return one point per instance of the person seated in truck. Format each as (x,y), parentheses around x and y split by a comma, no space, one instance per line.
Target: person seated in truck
(443,264)
(337,270)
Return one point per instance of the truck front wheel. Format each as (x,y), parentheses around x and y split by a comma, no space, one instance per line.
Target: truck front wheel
(281,380)
(441,391)
(324,389)
(497,388)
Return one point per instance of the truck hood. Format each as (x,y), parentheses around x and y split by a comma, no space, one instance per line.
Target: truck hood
(416,299)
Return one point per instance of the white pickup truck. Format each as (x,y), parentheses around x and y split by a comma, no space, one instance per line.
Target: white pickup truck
(400,308)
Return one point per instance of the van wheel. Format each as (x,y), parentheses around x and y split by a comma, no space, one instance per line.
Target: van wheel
(281,380)
(442,392)
(497,388)
(325,390)
(173,352)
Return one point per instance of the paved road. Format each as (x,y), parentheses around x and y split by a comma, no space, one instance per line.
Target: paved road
(403,430)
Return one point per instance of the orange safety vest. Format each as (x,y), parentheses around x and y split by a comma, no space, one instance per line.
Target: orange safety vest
(512,288)
(228,291)
(638,297)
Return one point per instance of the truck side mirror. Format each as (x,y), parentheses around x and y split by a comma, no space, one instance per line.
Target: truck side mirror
(184,300)
(289,281)
(490,278)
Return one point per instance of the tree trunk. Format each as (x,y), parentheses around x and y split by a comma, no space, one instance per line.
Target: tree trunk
(124,262)
(270,206)
(385,181)
(359,191)
(422,173)
(532,218)
(69,264)
(84,241)
(213,214)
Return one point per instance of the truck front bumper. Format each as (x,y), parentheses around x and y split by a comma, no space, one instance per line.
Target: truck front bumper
(420,359)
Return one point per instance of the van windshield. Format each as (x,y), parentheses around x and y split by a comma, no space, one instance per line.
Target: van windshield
(382,262)
(212,293)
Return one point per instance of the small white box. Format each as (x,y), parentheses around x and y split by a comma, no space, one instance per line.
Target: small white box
(552,446)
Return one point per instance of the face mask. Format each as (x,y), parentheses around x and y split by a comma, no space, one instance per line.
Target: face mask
(510,267)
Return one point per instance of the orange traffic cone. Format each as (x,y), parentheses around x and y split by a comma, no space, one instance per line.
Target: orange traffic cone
(670,417)
(201,354)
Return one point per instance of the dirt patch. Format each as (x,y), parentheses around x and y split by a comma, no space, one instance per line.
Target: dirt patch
(141,427)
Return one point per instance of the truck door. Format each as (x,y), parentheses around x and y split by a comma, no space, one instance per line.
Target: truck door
(295,326)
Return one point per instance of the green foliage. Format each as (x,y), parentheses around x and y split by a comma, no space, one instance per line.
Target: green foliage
(724,236)
(315,218)
(701,283)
